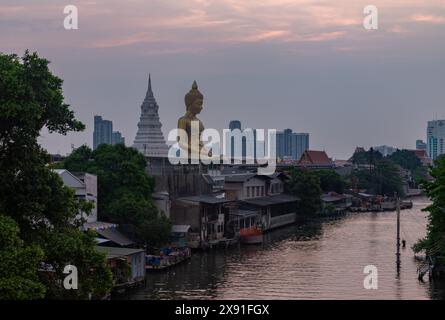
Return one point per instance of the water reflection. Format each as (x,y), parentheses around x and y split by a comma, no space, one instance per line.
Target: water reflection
(316,260)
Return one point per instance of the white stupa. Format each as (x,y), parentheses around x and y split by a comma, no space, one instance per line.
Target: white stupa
(149,138)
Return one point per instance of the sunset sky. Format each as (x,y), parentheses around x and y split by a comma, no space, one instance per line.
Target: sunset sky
(305,65)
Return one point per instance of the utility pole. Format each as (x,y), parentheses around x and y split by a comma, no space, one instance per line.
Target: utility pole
(398,233)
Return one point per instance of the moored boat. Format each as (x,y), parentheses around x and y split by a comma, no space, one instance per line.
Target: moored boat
(251,235)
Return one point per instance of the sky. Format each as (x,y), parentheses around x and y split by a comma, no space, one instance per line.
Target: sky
(272,64)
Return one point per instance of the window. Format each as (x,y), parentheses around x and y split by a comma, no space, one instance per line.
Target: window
(248,192)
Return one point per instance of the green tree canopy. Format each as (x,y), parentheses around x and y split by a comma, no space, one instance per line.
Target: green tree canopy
(331,181)
(305,185)
(18,264)
(125,190)
(30,193)
(366,157)
(407,159)
(434,242)
(383,179)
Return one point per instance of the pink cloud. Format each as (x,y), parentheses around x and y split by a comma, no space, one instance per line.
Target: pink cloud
(428,19)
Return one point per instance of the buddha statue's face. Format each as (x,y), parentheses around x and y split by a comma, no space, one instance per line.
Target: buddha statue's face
(196,106)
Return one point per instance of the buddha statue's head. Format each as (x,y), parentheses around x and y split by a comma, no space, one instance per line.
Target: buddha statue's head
(194,99)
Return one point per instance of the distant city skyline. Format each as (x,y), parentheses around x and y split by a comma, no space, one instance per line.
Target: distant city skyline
(305,65)
(104,134)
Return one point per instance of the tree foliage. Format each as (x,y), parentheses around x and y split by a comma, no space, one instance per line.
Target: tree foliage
(434,242)
(125,190)
(384,179)
(407,159)
(43,209)
(366,157)
(305,185)
(331,181)
(18,264)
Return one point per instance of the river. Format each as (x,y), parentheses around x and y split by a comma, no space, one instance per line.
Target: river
(322,259)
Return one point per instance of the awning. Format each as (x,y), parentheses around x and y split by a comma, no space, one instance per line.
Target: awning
(180,228)
(116,236)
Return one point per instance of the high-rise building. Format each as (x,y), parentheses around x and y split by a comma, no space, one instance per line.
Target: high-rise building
(420,145)
(435,138)
(291,145)
(104,134)
(246,152)
(117,138)
(103,131)
(235,124)
(149,138)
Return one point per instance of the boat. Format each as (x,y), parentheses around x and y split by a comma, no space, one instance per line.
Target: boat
(251,235)
(248,225)
(169,257)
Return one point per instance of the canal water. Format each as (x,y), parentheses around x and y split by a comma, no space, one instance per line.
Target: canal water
(322,259)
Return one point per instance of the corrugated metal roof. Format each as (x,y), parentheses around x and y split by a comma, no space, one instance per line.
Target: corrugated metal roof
(113,252)
(271,200)
(209,199)
(115,235)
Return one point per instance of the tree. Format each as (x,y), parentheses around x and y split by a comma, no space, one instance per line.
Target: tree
(385,179)
(367,157)
(18,264)
(31,194)
(407,159)
(125,190)
(305,185)
(434,242)
(331,181)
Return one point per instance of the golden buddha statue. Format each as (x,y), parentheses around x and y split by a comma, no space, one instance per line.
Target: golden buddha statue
(191,125)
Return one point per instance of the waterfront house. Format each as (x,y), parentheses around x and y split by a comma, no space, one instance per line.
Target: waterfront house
(275,210)
(180,235)
(207,216)
(261,200)
(85,188)
(335,203)
(127,265)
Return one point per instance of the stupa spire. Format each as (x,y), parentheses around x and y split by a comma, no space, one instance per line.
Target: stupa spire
(149,83)
(149,138)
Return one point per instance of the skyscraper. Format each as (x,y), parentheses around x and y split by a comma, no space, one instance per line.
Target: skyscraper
(117,138)
(435,138)
(235,124)
(247,152)
(103,131)
(149,138)
(420,145)
(291,145)
(104,134)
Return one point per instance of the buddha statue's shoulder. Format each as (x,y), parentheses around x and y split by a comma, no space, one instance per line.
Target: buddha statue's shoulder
(183,120)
